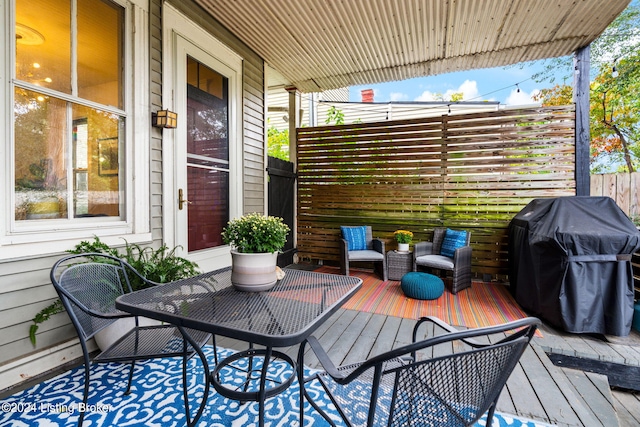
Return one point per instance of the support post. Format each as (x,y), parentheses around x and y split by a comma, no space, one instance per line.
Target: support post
(581,93)
(294,119)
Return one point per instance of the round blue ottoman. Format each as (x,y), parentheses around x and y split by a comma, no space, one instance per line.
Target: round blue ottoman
(420,285)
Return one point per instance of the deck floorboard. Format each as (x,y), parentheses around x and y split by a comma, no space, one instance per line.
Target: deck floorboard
(537,389)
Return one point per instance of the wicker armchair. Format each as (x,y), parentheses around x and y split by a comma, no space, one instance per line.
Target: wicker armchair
(374,252)
(427,255)
(450,379)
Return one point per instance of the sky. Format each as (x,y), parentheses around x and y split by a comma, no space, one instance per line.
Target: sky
(508,85)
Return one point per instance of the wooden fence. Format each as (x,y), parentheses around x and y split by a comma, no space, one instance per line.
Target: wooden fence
(471,171)
(624,188)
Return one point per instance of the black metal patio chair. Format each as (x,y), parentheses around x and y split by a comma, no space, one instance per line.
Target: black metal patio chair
(450,379)
(88,285)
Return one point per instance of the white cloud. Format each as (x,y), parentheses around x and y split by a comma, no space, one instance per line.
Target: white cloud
(521,98)
(426,96)
(398,96)
(469,90)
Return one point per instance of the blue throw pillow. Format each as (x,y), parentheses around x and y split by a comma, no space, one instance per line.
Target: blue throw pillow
(453,240)
(356,237)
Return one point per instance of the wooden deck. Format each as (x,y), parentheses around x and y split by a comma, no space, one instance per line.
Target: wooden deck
(538,389)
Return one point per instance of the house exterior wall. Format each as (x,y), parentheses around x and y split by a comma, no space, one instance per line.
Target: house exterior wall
(309,104)
(25,287)
(367,112)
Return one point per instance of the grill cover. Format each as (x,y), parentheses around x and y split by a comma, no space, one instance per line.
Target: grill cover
(570,263)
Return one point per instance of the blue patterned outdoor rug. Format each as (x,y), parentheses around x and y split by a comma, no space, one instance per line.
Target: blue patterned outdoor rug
(156,399)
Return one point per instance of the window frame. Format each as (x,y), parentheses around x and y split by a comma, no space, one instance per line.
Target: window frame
(43,237)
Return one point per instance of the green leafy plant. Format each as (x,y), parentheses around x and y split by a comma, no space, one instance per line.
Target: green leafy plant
(44,315)
(160,265)
(278,143)
(256,233)
(403,236)
(334,115)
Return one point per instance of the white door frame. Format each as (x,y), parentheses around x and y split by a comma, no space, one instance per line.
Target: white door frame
(182,37)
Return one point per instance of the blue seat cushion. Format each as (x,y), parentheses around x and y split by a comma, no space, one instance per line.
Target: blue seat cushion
(356,237)
(421,285)
(453,240)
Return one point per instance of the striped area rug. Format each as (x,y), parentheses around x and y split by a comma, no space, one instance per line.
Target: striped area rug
(483,304)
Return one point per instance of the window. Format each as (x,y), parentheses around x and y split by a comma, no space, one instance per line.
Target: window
(68,111)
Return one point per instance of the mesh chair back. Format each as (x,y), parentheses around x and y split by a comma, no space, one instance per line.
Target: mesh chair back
(88,290)
(447,380)
(455,390)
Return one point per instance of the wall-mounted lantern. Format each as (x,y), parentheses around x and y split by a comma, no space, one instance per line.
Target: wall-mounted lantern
(165,119)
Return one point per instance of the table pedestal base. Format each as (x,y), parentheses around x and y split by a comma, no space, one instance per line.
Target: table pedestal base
(256,385)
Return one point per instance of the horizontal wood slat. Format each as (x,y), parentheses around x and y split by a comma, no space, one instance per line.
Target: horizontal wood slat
(469,171)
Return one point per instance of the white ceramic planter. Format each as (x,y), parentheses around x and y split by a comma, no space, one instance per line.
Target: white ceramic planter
(107,336)
(253,272)
(403,247)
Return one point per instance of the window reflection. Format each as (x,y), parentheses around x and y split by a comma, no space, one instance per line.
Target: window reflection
(43,43)
(100,52)
(67,154)
(40,170)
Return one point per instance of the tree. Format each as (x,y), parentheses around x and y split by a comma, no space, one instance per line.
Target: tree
(278,143)
(614,106)
(614,99)
(620,39)
(335,115)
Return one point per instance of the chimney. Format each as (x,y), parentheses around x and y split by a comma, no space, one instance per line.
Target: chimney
(367,95)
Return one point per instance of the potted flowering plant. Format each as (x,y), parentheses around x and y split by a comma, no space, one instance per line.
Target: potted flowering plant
(255,241)
(403,237)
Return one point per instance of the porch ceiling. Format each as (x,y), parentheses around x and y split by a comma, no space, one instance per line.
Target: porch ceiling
(329,44)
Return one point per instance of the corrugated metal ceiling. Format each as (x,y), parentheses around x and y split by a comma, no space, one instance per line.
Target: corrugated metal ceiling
(328,44)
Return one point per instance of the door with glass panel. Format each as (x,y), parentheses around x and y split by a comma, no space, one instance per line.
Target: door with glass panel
(203,147)
(207,155)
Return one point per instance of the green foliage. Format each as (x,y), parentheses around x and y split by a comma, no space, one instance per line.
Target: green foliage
(335,116)
(96,246)
(615,123)
(157,265)
(457,97)
(614,100)
(256,233)
(44,315)
(160,265)
(619,40)
(403,236)
(278,143)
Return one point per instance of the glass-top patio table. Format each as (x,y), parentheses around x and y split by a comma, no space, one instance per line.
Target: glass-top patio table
(284,316)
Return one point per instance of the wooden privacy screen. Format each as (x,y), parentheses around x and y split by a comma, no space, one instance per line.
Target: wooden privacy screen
(471,171)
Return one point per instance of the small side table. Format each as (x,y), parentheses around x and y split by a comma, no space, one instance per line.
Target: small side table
(399,264)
